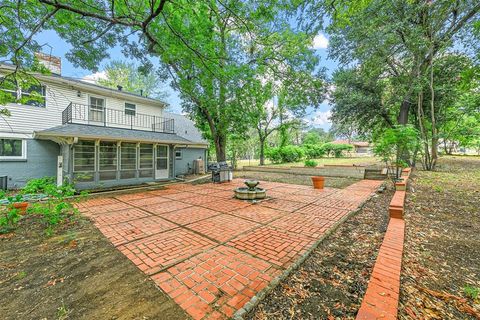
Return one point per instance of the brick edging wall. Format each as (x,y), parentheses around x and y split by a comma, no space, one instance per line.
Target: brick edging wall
(383,291)
(381,299)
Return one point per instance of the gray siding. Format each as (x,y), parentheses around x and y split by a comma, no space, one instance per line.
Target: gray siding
(41,162)
(188,155)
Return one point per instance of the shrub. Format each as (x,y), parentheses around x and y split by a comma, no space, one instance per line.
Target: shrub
(273,154)
(9,217)
(292,153)
(311,163)
(313,151)
(336,150)
(393,144)
(285,154)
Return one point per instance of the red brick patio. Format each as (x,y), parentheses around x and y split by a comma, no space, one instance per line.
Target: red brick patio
(211,253)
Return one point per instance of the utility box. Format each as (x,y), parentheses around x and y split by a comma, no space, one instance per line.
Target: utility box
(3,182)
(198,166)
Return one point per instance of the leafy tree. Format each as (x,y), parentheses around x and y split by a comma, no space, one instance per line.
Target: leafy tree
(392,144)
(211,50)
(132,79)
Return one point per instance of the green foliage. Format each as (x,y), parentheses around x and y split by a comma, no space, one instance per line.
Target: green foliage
(132,79)
(48,186)
(311,163)
(393,144)
(471,292)
(314,151)
(285,155)
(9,217)
(336,149)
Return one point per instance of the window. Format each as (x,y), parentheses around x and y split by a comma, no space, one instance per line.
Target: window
(35,95)
(13,149)
(97,109)
(178,154)
(130,109)
(107,160)
(84,161)
(145,163)
(128,160)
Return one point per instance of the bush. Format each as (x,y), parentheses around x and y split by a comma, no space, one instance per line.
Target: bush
(273,154)
(336,150)
(285,154)
(393,144)
(311,163)
(313,151)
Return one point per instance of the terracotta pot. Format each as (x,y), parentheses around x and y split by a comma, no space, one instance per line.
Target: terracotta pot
(318,182)
(21,206)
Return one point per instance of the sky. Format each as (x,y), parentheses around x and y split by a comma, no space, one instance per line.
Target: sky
(57,47)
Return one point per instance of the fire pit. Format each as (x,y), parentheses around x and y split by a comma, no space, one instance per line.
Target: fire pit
(251,191)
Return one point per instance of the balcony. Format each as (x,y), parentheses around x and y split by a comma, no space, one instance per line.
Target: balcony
(105,117)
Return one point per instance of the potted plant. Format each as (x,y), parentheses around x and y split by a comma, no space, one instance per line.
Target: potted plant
(18,203)
(318,182)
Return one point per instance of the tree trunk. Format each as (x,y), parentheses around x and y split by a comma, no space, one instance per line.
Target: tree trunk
(220,147)
(262,152)
(403,114)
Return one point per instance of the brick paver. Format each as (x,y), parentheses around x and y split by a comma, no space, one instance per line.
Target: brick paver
(127,231)
(212,253)
(108,218)
(258,213)
(189,215)
(219,281)
(222,227)
(273,245)
(309,225)
(283,204)
(158,251)
(166,206)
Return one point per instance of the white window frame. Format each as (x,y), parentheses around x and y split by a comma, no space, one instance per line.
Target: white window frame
(132,110)
(24,150)
(181,154)
(94,109)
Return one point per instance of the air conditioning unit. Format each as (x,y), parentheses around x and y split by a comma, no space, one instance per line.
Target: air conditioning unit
(198,166)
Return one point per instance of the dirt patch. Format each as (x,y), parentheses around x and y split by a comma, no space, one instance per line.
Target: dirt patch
(75,274)
(441,255)
(332,281)
(332,182)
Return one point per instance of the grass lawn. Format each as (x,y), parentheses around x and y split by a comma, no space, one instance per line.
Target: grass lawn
(321,161)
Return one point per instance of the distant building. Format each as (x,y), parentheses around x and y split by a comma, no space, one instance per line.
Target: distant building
(359,147)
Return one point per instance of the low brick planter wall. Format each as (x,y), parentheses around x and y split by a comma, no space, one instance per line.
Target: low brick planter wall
(381,299)
(383,292)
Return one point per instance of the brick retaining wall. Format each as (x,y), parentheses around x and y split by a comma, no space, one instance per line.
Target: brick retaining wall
(326,171)
(383,292)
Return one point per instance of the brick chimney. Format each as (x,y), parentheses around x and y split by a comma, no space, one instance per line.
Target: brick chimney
(52,63)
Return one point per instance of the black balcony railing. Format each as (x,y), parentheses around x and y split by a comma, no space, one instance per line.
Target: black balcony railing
(100,116)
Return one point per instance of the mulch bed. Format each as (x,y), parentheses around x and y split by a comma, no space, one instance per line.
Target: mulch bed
(442,248)
(331,283)
(74,274)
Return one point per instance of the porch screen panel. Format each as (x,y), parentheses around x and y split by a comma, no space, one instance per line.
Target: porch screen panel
(107,160)
(145,163)
(84,161)
(128,160)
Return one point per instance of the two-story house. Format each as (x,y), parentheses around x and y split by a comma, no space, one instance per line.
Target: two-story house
(92,135)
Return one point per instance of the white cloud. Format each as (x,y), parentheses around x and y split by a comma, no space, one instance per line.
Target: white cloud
(93,78)
(320,118)
(320,42)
